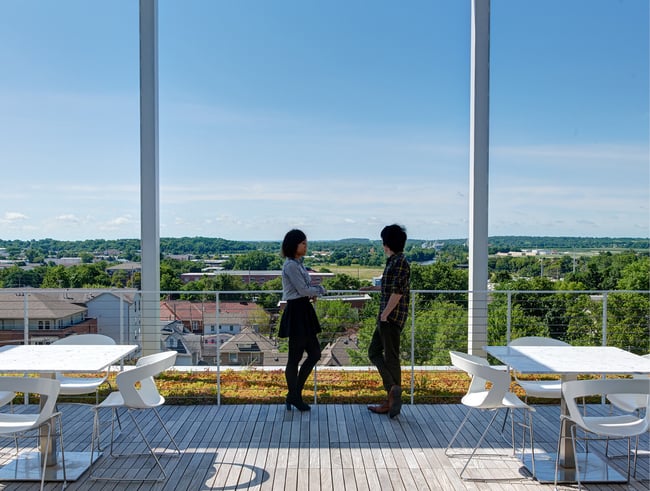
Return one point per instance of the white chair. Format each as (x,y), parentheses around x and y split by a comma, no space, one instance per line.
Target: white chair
(602,427)
(136,391)
(494,398)
(72,386)
(17,425)
(545,389)
(629,403)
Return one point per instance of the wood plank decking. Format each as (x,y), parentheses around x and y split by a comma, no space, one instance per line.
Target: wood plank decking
(333,447)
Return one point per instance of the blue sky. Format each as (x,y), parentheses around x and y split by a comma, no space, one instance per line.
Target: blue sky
(336,117)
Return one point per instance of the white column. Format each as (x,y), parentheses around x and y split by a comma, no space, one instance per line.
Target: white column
(149,200)
(478,176)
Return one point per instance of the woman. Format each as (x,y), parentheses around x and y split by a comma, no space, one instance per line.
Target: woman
(299,322)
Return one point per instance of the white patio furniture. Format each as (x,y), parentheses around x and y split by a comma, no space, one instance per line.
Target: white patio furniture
(569,362)
(45,360)
(72,386)
(137,391)
(549,389)
(19,425)
(600,427)
(498,396)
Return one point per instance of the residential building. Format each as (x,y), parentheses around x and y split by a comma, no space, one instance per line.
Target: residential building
(202,317)
(47,316)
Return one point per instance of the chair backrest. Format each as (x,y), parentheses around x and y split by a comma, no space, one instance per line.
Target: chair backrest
(146,368)
(537,341)
(481,372)
(45,387)
(575,389)
(643,376)
(81,339)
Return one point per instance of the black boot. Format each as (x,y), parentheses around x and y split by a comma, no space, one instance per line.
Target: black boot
(296,401)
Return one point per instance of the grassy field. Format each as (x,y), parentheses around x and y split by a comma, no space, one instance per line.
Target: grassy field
(359,272)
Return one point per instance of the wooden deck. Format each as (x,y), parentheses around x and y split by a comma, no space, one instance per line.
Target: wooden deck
(333,447)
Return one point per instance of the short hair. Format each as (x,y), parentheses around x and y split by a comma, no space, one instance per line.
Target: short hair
(394,237)
(291,241)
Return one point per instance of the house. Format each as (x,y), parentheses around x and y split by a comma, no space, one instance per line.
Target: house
(47,315)
(250,348)
(117,314)
(129,267)
(187,345)
(203,318)
(336,353)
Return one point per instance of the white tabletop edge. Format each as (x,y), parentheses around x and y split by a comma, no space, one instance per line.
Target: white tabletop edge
(570,359)
(61,358)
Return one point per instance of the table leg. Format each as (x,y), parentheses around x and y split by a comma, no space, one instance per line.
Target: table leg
(50,455)
(567,457)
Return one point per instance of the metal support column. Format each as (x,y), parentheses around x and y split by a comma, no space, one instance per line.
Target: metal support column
(478,176)
(149,186)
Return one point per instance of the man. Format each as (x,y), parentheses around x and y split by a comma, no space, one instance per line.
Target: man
(384,348)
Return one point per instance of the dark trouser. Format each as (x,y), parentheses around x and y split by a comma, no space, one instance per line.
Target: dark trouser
(297,346)
(383,352)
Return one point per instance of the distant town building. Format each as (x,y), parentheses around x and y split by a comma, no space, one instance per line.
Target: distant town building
(252,276)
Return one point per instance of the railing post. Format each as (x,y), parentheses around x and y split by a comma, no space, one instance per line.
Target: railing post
(413,346)
(217,319)
(604,328)
(509,318)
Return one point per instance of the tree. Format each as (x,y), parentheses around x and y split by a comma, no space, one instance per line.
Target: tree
(257,261)
(335,316)
(56,277)
(342,281)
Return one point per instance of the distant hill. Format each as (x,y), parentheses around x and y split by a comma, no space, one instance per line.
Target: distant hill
(210,246)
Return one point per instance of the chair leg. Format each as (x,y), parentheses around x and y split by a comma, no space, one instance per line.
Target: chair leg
(164,426)
(47,450)
(557,455)
(65,477)
(478,444)
(151,451)
(453,439)
(526,424)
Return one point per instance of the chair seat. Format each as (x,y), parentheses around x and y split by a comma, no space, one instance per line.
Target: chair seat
(623,426)
(628,402)
(115,399)
(72,386)
(12,423)
(548,389)
(477,400)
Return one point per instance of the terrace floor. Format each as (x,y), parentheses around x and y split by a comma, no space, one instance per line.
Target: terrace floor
(332,447)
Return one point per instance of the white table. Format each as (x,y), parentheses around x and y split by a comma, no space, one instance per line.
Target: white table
(569,362)
(45,360)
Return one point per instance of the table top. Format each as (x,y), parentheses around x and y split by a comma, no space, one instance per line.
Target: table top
(41,358)
(570,359)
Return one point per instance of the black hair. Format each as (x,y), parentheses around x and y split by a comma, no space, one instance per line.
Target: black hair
(291,241)
(394,237)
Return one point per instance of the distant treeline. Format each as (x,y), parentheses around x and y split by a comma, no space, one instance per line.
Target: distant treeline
(205,247)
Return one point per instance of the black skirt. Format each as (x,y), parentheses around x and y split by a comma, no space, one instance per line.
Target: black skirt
(299,319)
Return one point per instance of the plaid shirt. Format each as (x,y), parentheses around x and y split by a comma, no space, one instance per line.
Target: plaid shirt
(396,279)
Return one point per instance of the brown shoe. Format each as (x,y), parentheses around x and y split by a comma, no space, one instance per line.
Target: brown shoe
(382,408)
(394,401)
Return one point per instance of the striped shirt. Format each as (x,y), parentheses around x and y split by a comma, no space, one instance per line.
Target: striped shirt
(296,281)
(396,279)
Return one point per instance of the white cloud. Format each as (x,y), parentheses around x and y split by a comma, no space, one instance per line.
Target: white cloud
(13,216)
(69,218)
